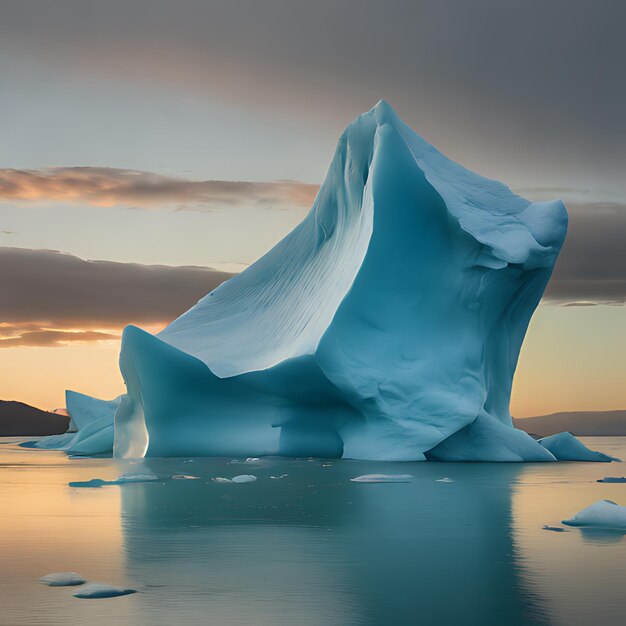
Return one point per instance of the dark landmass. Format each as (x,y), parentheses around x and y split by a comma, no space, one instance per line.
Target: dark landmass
(581,423)
(21,420)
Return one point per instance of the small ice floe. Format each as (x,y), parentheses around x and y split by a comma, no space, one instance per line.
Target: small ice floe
(444,480)
(555,529)
(382,478)
(279,477)
(252,459)
(601,514)
(123,479)
(99,590)
(62,579)
(184,477)
(612,479)
(242,478)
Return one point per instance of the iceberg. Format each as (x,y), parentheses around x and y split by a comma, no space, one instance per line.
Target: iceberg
(386,326)
(91,428)
(565,447)
(99,590)
(63,579)
(603,514)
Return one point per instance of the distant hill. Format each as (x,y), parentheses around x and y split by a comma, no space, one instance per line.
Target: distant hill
(583,423)
(18,419)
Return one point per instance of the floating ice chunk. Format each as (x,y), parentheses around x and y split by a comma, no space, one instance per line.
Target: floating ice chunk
(565,447)
(123,479)
(244,478)
(99,590)
(62,579)
(184,477)
(94,483)
(279,477)
(220,479)
(556,529)
(612,479)
(252,459)
(444,480)
(382,478)
(137,477)
(602,514)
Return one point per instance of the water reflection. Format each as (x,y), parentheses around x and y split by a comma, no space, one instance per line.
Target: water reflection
(315,548)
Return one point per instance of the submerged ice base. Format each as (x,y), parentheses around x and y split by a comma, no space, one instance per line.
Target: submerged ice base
(386,326)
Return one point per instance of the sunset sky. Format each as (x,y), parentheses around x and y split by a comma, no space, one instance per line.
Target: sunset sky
(144,142)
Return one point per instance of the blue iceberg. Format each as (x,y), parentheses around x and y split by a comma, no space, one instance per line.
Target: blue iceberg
(92,420)
(565,447)
(386,326)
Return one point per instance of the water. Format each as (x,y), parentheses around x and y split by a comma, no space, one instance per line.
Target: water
(311,548)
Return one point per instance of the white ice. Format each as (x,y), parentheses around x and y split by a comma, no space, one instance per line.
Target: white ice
(602,514)
(383,478)
(62,579)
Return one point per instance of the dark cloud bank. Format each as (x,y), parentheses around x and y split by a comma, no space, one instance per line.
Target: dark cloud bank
(46,296)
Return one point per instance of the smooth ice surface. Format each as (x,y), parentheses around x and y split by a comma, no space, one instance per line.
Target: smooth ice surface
(612,479)
(565,447)
(382,478)
(386,326)
(602,514)
(100,590)
(62,579)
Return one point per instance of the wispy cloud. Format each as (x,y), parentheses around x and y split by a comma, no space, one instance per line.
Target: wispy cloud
(13,336)
(106,187)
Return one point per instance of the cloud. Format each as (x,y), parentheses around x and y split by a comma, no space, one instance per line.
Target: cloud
(46,296)
(107,186)
(592,266)
(20,337)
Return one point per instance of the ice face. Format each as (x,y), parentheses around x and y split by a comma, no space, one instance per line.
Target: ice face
(386,326)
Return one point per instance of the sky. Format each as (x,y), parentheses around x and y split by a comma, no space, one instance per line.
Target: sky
(150,149)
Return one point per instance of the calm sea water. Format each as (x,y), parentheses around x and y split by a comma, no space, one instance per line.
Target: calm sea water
(310,548)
